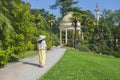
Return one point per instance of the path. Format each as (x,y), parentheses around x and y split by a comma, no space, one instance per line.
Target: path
(28,68)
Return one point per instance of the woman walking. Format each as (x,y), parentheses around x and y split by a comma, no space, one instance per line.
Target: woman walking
(42,47)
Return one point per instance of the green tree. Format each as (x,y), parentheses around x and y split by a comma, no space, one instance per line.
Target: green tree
(47,16)
(64,5)
(19,17)
(110,26)
(22,22)
(5,32)
(75,20)
(5,27)
(48,22)
(42,28)
(116,29)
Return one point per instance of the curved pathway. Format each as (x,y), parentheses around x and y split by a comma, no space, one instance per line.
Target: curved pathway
(28,68)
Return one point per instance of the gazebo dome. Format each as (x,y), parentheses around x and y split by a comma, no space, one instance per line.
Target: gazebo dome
(66,22)
(67,17)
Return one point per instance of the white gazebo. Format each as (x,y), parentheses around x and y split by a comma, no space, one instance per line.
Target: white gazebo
(65,26)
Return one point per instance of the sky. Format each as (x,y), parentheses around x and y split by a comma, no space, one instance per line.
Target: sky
(84,4)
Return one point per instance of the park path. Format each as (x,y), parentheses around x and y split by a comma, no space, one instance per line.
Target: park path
(28,68)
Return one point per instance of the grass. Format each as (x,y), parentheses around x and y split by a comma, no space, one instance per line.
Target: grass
(75,65)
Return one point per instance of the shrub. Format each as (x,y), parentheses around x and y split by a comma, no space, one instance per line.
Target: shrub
(4,56)
(92,47)
(13,58)
(34,42)
(70,43)
(115,53)
(30,46)
(83,48)
(55,40)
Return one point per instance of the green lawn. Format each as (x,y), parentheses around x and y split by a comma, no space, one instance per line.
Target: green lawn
(75,65)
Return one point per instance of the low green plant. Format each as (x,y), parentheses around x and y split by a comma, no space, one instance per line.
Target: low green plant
(115,53)
(83,48)
(30,46)
(55,40)
(4,57)
(70,43)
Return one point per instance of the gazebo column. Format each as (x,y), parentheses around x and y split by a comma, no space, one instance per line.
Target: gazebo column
(82,36)
(60,38)
(79,32)
(66,38)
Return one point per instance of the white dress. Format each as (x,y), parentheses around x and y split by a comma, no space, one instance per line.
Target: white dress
(42,45)
(42,52)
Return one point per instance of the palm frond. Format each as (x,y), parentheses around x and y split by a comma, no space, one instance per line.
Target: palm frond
(5,24)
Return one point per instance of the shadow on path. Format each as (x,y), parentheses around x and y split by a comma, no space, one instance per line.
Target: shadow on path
(33,64)
(28,68)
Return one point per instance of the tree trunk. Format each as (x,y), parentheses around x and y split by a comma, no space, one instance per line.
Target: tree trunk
(75,26)
(75,39)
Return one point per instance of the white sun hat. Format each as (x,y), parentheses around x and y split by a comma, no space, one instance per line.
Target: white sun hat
(41,37)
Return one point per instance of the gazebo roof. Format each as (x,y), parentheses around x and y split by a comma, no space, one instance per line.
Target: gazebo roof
(67,17)
(66,22)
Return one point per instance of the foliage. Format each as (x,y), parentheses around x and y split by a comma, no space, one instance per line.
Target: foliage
(76,65)
(22,17)
(46,27)
(49,24)
(108,31)
(115,53)
(83,48)
(64,5)
(87,21)
(101,38)
(5,31)
(5,27)
(4,56)
(47,16)
(70,43)
(49,19)
(55,40)
(43,29)
(18,30)
(30,46)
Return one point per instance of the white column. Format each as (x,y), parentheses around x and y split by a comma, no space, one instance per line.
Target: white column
(116,43)
(79,32)
(66,36)
(82,36)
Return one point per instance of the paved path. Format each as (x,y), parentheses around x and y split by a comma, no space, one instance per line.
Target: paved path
(28,68)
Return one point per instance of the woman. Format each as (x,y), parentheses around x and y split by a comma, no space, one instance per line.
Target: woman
(42,50)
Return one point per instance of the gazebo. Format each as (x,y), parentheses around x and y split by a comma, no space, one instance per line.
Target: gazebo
(66,25)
